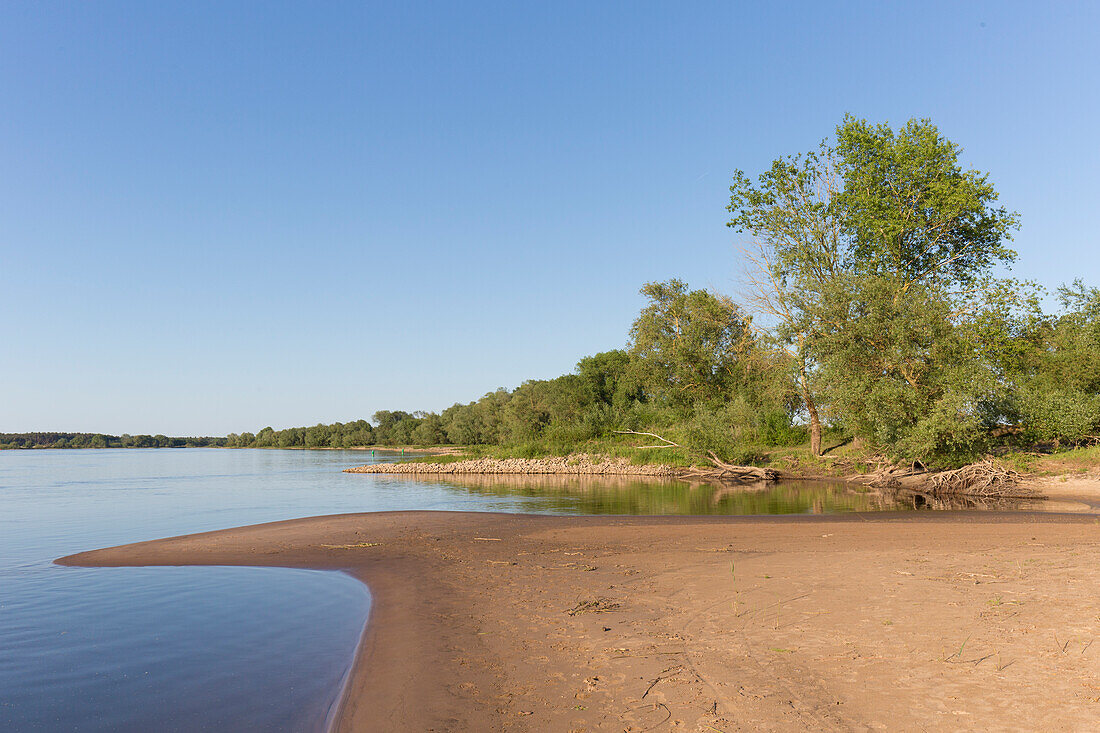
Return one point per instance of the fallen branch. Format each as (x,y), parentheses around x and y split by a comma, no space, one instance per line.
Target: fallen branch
(721,470)
(730,472)
(888,475)
(668,443)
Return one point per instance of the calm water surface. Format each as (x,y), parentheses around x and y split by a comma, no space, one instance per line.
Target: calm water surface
(186,649)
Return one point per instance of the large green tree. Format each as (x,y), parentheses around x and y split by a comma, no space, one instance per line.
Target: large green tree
(867,252)
(794,250)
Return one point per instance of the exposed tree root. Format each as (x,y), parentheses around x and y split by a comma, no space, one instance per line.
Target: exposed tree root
(984,478)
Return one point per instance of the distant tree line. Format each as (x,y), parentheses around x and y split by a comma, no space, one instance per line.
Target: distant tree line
(101,440)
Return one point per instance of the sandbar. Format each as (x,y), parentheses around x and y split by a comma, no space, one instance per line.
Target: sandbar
(506,622)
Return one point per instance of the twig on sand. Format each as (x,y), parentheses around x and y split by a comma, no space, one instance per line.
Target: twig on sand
(668,715)
(664,675)
(351,546)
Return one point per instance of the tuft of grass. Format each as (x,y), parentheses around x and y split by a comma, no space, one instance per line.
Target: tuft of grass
(438,459)
(958,653)
(736,589)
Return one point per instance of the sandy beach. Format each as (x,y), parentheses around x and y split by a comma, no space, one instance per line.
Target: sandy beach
(497,622)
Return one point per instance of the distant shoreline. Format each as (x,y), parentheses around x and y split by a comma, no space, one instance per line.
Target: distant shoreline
(440,451)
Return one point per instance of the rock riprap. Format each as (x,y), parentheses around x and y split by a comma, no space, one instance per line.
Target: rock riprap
(576,465)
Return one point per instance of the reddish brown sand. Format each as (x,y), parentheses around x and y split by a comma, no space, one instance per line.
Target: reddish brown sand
(484,622)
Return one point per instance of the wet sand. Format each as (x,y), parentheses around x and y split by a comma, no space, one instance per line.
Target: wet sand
(497,622)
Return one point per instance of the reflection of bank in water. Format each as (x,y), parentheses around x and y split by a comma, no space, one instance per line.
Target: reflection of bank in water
(639,495)
(651,496)
(914,499)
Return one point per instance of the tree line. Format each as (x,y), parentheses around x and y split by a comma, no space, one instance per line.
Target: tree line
(874,309)
(101,440)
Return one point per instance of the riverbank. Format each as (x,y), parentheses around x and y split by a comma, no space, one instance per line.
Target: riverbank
(518,622)
(580,464)
(1072,474)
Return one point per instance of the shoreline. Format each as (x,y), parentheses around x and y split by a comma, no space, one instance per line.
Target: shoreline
(1023,486)
(578,464)
(526,622)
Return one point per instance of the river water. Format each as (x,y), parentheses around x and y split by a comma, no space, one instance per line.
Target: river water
(188,649)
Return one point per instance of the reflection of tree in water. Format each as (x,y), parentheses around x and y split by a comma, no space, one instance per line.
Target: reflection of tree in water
(639,495)
(923,500)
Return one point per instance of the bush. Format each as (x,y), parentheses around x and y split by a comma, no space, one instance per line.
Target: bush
(1059,416)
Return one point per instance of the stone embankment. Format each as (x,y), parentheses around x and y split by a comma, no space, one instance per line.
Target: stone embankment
(575,465)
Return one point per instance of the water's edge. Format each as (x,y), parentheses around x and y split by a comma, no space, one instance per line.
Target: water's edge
(336,708)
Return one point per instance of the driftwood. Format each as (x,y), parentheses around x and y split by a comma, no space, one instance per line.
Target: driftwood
(722,471)
(888,475)
(746,474)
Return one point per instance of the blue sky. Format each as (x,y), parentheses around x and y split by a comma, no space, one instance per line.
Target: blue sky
(218,216)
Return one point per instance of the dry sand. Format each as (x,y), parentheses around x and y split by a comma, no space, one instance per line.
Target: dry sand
(486,622)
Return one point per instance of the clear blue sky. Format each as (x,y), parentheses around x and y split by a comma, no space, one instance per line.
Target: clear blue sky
(218,216)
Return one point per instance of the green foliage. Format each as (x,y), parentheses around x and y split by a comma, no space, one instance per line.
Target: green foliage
(690,346)
(1059,415)
(792,214)
(871,255)
(896,371)
(611,378)
(1049,366)
(911,212)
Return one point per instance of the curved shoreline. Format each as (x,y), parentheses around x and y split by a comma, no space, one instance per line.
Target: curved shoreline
(336,707)
(522,622)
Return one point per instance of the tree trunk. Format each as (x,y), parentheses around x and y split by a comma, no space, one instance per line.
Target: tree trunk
(811,407)
(815,427)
